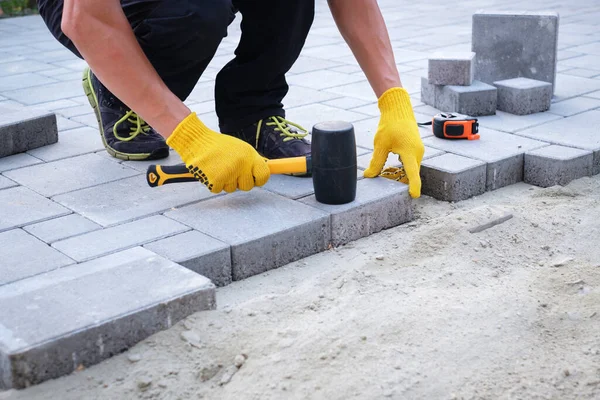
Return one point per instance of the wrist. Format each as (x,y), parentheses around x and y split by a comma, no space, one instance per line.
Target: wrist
(396,103)
(187,135)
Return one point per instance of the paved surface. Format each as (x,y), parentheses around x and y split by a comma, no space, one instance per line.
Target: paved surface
(68,203)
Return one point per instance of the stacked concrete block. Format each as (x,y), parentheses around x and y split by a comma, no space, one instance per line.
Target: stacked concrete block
(79,315)
(515,44)
(557,165)
(523,96)
(452,69)
(23,129)
(477,99)
(450,177)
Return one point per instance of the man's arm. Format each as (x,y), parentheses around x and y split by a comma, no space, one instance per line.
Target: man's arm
(361,24)
(103,36)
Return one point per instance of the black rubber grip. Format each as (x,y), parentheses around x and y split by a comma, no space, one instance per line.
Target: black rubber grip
(158,175)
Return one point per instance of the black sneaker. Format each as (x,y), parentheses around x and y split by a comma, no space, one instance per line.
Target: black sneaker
(276,137)
(124,133)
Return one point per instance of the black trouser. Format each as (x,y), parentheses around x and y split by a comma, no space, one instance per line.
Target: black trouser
(180,37)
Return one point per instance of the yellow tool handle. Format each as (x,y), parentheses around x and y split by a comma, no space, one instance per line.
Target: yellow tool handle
(158,175)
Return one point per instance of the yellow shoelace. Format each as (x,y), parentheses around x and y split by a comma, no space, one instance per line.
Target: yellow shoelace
(139,126)
(283,126)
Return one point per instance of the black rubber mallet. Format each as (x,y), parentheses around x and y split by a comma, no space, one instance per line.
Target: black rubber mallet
(332,164)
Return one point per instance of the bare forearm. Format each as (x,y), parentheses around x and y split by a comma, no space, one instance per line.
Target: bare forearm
(101,33)
(362,26)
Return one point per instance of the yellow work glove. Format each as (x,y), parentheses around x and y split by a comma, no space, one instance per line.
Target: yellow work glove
(398,133)
(221,162)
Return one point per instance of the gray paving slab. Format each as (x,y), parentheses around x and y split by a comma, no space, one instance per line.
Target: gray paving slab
(450,177)
(506,122)
(309,115)
(87,119)
(24,256)
(323,79)
(270,230)
(574,106)
(380,204)
(589,61)
(6,183)
(20,206)
(594,95)
(46,93)
(523,96)
(300,96)
(349,102)
(17,161)
(117,238)
(83,314)
(70,174)
(451,68)
(76,111)
(129,199)
(503,153)
(61,228)
(477,99)
(65,124)
(571,132)
(23,81)
(557,165)
(582,72)
(198,252)
(568,86)
(21,66)
(73,142)
(306,64)
(515,44)
(22,129)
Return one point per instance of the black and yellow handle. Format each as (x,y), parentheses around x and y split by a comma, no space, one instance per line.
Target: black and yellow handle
(158,175)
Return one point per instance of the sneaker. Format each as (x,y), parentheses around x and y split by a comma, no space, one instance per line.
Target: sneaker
(276,137)
(124,133)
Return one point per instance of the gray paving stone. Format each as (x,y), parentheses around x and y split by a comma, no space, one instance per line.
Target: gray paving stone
(111,240)
(451,68)
(506,122)
(22,129)
(450,177)
(586,61)
(17,161)
(523,96)
(309,115)
(323,79)
(393,159)
(582,72)
(21,67)
(70,174)
(328,52)
(61,228)
(46,93)
(474,100)
(515,44)
(594,95)
(574,106)
(428,92)
(348,102)
(300,96)
(571,132)
(87,119)
(306,64)
(503,153)
(270,230)
(568,86)
(76,111)
(6,183)
(198,252)
(24,256)
(83,314)
(23,81)
(380,204)
(20,206)
(71,143)
(557,165)
(65,124)
(590,48)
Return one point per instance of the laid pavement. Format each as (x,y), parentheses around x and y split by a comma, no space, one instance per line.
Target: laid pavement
(94,260)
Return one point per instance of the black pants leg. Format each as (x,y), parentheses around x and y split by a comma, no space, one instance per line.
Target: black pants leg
(252,85)
(179,37)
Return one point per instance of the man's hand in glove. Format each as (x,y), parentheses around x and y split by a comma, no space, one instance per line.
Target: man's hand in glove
(398,133)
(221,162)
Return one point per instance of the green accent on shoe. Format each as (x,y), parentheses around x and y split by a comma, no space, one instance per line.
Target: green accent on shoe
(283,126)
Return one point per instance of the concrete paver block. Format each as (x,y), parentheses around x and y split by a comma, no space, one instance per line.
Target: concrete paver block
(506,122)
(23,129)
(70,174)
(574,106)
(428,92)
(450,177)
(129,199)
(82,314)
(265,230)
(6,183)
(515,44)
(502,152)
(571,132)
(23,256)
(20,206)
(61,228)
(568,86)
(380,204)
(198,252)
(522,96)
(71,143)
(46,93)
(474,100)
(111,240)
(451,69)
(557,165)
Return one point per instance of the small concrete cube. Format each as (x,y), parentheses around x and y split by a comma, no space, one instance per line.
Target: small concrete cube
(79,315)
(557,165)
(453,178)
(25,129)
(475,100)
(428,92)
(380,204)
(523,96)
(452,68)
(515,44)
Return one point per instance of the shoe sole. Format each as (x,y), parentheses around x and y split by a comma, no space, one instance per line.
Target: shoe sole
(93,100)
